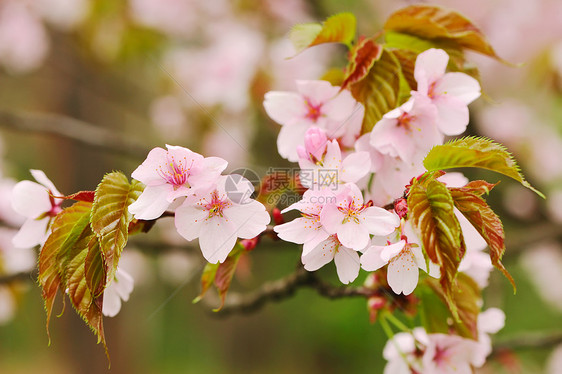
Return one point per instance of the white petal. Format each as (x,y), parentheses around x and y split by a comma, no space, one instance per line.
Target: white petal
(391,250)
(403,274)
(291,136)
(249,219)
(30,199)
(296,231)
(353,235)
(320,255)
(453,115)
(111,302)
(491,320)
(123,283)
(371,260)
(314,238)
(152,202)
(32,233)
(331,218)
(216,239)
(40,177)
(189,219)
(318,91)
(284,107)
(379,221)
(347,264)
(460,85)
(355,166)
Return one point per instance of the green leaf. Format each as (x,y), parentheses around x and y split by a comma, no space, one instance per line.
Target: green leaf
(364,56)
(433,311)
(225,273)
(431,211)
(468,201)
(66,229)
(339,28)
(207,279)
(111,218)
(379,90)
(466,298)
(440,25)
(476,152)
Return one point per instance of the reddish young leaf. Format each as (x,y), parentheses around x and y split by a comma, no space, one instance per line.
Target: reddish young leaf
(407,61)
(379,90)
(435,23)
(364,56)
(483,218)
(86,196)
(66,229)
(225,273)
(431,211)
(207,279)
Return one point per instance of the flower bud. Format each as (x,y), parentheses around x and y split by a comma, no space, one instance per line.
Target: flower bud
(315,141)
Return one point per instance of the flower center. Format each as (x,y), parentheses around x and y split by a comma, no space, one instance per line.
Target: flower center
(314,111)
(217,205)
(405,120)
(176,172)
(351,211)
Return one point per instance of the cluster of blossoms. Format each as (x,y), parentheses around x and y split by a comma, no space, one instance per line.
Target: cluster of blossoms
(215,208)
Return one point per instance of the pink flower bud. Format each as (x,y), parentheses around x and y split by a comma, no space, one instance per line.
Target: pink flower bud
(401,207)
(315,141)
(301,152)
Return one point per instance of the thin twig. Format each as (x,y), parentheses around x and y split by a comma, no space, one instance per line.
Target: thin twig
(73,129)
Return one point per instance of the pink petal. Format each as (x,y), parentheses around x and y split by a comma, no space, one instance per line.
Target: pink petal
(371,260)
(216,239)
(355,166)
(331,218)
(284,107)
(31,233)
(123,283)
(403,274)
(314,238)
(318,91)
(291,136)
(320,255)
(459,85)
(491,320)
(189,219)
(249,219)
(340,110)
(453,115)
(30,199)
(152,202)
(149,171)
(347,264)
(430,66)
(364,144)
(40,177)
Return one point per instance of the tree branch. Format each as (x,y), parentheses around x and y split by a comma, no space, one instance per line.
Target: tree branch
(21,276)
(283,289)
(73,129)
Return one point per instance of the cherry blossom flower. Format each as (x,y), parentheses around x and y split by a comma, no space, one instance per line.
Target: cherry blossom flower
(346,259)
(317,103)
(329,170)
(404,261)
(489,322)
(35,202)
(409,131)
(217,220)
(353,221)
(306,230)
(169,174)
(7,304)
(447,354)
(403,352)
(363,144)
(449,92)
(14,260)
(117,291)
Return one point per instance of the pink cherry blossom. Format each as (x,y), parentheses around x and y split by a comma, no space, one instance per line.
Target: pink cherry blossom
(317,103)
(346,259)
(404,261)
(353,221)
(117,291)
(449,92)
(217,220)
(306,230)
(169,174)
(36,202)
(445,354)
(489,322)
(315,141)
(363,144)
(330,171)
(409,131)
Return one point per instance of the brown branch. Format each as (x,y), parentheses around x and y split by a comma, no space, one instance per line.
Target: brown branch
(75,130)
(282,289)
